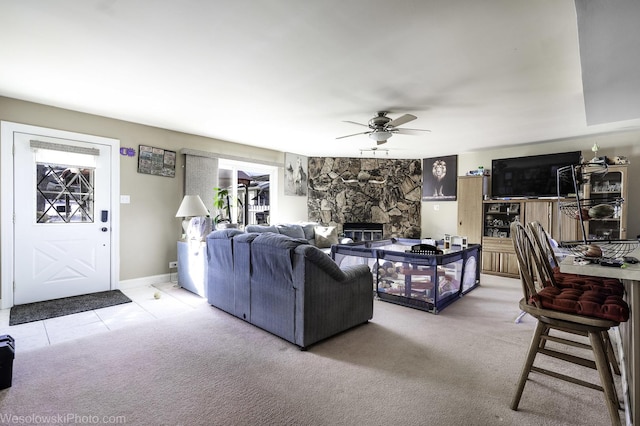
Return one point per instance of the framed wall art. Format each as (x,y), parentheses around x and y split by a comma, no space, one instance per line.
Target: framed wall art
(440,178)
(156,161)
(296,174)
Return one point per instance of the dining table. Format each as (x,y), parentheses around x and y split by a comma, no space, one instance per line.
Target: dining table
(628,332)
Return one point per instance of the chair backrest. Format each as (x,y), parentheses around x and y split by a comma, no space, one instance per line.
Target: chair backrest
(544,244)
(532,273)
(545,255)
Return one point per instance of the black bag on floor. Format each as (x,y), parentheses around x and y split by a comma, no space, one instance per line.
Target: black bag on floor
(7,354)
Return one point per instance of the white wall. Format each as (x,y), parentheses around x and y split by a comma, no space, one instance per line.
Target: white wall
(150,229)
(291,208)
(440,217)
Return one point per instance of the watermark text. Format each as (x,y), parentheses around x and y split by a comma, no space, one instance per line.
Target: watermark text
(60,419)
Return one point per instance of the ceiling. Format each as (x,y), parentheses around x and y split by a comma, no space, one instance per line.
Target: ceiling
(286,74)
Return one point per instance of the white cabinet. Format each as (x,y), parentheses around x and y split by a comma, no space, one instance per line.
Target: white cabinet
(192,266)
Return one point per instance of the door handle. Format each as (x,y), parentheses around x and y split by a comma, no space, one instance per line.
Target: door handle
(104,229)
(104,217)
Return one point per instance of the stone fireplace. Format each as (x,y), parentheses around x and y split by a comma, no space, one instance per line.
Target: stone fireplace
(386,192)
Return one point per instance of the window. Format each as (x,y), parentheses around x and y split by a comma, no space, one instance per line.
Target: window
(65,179)
(251,186)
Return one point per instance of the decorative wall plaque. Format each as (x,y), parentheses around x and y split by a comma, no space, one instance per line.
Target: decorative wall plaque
(156,161)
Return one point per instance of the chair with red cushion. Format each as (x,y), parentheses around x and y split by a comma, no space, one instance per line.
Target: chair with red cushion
(567,312)
(553,277)
(561,279)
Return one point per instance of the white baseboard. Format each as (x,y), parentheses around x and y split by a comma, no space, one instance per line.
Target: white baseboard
(136,282)
(145,281)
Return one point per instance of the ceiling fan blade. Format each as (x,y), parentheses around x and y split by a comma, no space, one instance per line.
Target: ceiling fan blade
(353,122)
(404,131)
(401,120)
(355,134)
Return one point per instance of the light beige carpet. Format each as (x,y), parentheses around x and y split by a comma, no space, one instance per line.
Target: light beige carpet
(208,368)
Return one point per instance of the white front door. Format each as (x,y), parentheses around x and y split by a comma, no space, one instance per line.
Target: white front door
(62,217)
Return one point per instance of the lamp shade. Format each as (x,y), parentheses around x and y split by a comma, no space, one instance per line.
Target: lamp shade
(192,206)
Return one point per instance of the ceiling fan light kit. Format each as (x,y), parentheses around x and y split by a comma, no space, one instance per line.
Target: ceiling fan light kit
(382,127)
(380,136)
(373,150)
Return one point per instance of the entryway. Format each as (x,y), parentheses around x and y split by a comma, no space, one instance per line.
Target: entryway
(59,214)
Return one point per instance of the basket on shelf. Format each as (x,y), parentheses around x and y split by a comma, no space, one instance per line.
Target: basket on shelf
(584,209)
(611,249)
(579,208)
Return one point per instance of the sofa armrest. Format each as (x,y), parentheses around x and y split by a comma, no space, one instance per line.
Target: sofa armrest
(321,259)
(329,299)
(324,261)
(352,272)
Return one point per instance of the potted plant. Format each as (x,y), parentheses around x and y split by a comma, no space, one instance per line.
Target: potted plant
(221,206)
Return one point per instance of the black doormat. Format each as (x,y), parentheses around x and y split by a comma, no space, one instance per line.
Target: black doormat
(37,311)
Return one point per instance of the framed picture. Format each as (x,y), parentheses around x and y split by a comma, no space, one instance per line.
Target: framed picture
(494,208)
(440,178)
(514,208)
(295,174)
(156,161)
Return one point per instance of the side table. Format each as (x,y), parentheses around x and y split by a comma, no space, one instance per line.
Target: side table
(192,266)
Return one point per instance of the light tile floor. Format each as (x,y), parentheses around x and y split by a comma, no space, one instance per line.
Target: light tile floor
(173,300)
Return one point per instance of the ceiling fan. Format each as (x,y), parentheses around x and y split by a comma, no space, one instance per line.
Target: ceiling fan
(382,127)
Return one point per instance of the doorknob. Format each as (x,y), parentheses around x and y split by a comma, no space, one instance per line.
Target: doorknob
(104,229)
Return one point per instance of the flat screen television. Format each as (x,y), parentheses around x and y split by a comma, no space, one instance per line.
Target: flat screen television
(533,176)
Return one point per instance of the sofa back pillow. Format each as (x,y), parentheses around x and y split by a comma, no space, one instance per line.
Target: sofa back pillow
(291,230)
(326,236)
(271,259)
(222,234)
(261,228)
(309,230)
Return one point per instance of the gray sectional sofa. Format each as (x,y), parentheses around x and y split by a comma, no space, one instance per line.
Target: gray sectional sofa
(286,286)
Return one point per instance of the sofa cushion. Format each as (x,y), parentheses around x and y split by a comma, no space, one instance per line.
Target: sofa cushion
(291,230)
(326,236)
(278,241)
(261,228)
(220,273)
(588,303)
(309,230)
(223,234)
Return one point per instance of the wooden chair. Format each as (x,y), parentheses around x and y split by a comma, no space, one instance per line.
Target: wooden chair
(553,277)
(544,244)
(545,250)
(561,279)
(538,302)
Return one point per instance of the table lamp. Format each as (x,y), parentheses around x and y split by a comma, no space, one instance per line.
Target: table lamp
(191,206)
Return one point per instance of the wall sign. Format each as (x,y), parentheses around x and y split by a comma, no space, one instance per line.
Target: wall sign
(128,152)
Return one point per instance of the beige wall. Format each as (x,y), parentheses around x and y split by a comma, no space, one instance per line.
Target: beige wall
(435,223)
(149,228)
